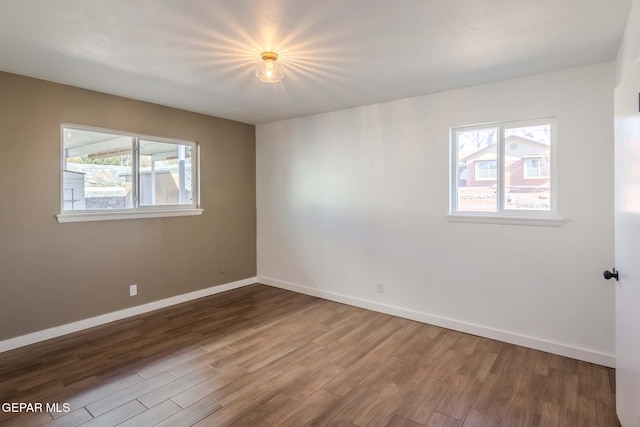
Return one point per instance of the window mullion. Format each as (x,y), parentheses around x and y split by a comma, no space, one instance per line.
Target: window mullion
(500,164)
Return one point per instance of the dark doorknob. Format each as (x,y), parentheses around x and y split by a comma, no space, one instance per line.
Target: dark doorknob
(609,274)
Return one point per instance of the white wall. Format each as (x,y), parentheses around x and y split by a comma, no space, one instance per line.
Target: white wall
(629,53)
(351,198)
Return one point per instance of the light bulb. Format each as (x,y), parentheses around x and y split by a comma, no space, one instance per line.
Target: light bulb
(268,69)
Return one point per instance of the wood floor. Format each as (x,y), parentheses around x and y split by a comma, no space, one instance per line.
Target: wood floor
(261,356)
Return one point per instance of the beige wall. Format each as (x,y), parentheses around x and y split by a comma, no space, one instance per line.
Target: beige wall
(51,273)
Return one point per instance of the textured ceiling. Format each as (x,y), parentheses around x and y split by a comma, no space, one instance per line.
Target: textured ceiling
(199,55)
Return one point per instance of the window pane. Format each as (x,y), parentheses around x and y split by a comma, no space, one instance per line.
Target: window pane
(165,174)
(97,170)
(477,170)
(527,183)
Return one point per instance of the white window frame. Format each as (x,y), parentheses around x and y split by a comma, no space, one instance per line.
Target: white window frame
(477,169)
(137,211)
(502,215)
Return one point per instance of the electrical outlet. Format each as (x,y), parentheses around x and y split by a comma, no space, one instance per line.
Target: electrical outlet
(133,290)
(381,288)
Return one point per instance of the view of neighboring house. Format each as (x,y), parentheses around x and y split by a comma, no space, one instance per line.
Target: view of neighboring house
(526,175)
(527,165)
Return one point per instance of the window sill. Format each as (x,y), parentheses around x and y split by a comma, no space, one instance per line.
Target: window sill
(554,221)
(139,214)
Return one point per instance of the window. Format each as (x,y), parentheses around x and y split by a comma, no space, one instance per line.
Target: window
(487,170)
(536,168)
(110,175)
(503,169)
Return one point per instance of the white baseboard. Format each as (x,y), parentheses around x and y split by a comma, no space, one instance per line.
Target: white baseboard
(483,331)
(80,325)
(470,328)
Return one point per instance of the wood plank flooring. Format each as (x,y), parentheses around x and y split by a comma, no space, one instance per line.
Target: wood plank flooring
(261,356)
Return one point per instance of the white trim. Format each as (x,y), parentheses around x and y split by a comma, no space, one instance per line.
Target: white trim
(80,325)
(102,215)
(536,343)
(540,221)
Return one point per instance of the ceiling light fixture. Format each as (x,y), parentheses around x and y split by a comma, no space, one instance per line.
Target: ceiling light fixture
(268,69)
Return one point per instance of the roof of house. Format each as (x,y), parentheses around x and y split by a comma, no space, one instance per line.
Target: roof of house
(488,148)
